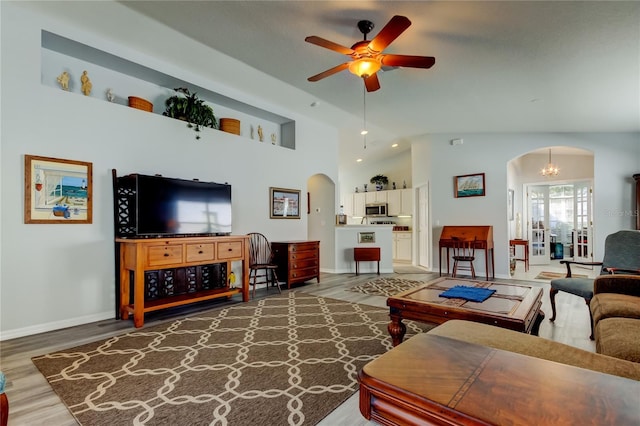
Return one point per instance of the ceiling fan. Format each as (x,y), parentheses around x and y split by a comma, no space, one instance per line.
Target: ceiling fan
(367,55)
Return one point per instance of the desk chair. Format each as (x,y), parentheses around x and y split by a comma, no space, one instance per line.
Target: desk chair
(621,256)
(464,251)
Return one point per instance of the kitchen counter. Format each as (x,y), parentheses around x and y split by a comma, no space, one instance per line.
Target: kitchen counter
(350,236)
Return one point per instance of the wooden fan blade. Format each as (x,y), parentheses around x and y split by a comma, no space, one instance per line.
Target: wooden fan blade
(319,41)
(372,83)
(408,61)
(329,72)
(390,32)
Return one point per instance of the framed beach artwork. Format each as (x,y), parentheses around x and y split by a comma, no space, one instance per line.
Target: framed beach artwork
(57,190)
(469,185)
(284,203)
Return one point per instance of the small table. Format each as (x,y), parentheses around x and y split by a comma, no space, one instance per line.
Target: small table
(438,380)
(512,306)
(366,254)
(525,244)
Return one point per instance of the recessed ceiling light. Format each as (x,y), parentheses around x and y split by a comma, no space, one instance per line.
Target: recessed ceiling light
(395,145)
(364,132)
(359,160)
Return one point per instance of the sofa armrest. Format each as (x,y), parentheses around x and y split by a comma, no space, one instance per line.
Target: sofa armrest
(623,284)
(574,262)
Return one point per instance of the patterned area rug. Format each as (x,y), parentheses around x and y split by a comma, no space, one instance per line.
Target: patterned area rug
(544,275)
(283,360)
(388,286)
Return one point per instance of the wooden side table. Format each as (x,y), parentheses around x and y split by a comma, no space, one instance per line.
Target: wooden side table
(366,254)
(525,244)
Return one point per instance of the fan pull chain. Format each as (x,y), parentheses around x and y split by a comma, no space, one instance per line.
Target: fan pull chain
(364,116)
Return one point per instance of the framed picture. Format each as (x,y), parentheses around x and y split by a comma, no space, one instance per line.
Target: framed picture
(510,194)
(57,190)
(284,203)
(366,237)
(469,185)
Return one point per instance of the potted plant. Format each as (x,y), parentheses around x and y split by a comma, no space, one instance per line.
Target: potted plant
(380,181)
(186,106)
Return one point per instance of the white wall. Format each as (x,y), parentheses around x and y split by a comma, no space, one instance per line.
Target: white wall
(56,276)
(435,160)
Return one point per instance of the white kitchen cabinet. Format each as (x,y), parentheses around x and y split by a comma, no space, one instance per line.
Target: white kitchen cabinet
(376,196)
(400,202)
(359,200)
(346,201)
(402,246)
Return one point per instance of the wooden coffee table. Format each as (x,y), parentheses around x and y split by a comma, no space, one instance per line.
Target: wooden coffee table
(437,380)
(512,306)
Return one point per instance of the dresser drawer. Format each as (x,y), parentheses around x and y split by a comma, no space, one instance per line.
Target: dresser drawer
(302,247)
(299,255)
(164,255)
(303,263)
(303,274)
(200,252)
(230,250)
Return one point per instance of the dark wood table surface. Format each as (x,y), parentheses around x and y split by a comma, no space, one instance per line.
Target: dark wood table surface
(512,306)
(437,380)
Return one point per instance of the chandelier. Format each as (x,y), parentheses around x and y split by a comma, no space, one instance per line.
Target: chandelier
(551,169)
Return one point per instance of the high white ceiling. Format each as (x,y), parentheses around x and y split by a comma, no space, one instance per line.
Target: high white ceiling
(501,66)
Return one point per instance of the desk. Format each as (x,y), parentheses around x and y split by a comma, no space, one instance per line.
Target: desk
(525,244)
(438,380)
(484,241)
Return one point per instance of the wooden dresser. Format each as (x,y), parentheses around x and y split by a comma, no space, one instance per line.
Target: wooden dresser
(298,261)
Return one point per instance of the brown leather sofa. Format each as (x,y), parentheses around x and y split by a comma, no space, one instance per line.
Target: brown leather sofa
(615,309)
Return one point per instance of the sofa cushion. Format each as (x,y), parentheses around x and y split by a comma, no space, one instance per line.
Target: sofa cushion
(619,337)
(611,305)
(526,344)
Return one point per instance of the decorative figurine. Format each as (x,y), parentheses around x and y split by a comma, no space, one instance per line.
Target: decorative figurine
(260,134)
(394,185)
(356,189)
(86,84)
(273,138)
(63,79)
(251,131)
(404,184)
(110,96)
(365,187)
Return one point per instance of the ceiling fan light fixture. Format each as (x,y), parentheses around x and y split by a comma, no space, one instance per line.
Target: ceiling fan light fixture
(364,67)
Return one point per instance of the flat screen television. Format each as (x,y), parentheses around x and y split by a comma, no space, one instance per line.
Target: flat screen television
(158,206)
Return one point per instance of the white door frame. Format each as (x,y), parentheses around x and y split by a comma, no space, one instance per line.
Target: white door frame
(423,234)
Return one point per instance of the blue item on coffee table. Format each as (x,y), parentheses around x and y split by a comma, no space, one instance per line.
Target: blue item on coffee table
(473,294)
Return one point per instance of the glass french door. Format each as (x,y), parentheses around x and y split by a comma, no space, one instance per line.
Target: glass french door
(583,231)
(538,224)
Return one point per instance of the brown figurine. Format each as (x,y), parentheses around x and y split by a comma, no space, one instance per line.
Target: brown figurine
(86,84)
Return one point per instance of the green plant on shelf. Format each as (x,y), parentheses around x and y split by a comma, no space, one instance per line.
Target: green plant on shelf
(380,181)
(186,106)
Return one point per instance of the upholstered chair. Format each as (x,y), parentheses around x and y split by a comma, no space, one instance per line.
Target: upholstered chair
(621,256)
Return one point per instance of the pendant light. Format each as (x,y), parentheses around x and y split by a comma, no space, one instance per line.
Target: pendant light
(550,169)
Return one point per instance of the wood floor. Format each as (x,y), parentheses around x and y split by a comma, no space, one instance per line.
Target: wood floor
(33,403)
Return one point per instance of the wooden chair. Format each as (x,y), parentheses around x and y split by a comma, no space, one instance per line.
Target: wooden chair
(261,262)
(464,251)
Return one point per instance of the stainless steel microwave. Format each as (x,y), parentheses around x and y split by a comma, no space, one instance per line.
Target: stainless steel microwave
(376,209)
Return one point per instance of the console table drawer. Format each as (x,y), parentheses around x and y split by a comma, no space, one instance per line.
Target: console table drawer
(230,250)
(200,252)
(164,255)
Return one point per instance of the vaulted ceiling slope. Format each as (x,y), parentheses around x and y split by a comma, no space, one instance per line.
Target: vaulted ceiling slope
(518,66)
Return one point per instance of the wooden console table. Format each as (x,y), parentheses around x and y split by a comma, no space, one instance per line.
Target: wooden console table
(298,261)
(366,254)
(140,255)
(437,380)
